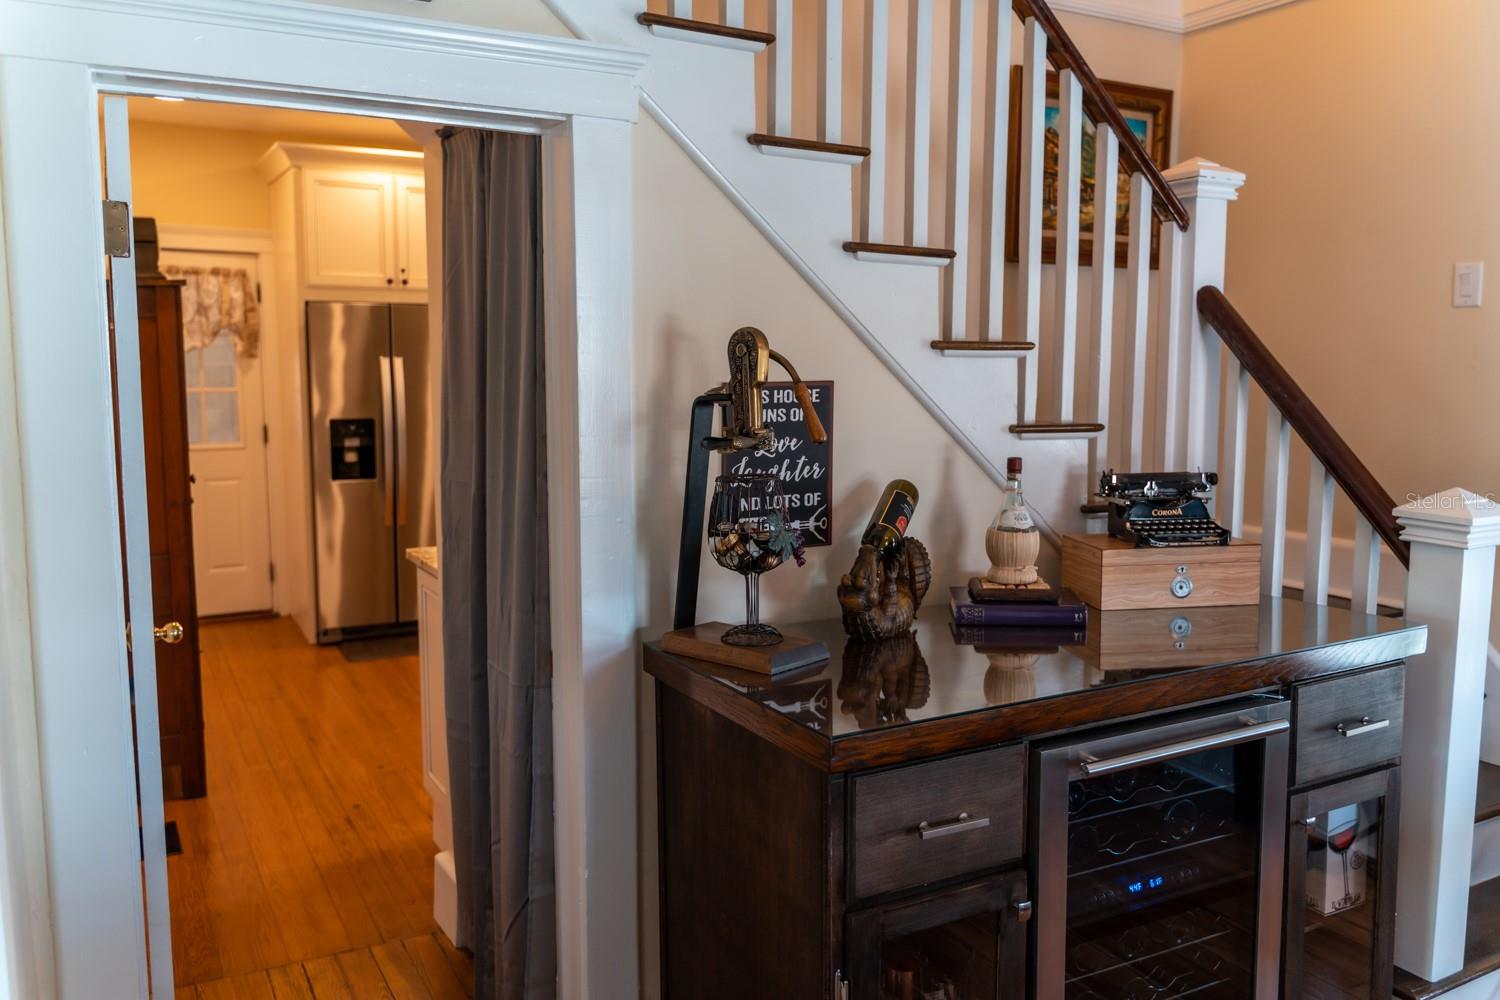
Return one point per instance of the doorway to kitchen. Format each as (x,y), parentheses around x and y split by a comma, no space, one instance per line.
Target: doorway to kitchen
(288,384)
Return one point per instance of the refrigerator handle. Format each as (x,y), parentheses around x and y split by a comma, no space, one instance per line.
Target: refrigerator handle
(388,439)
(400,393)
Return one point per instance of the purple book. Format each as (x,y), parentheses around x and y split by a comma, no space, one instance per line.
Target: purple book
(1068,610)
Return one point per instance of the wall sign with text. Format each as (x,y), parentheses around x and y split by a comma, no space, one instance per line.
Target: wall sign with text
(804,468)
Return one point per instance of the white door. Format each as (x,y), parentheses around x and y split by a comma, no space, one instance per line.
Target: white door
(227,456)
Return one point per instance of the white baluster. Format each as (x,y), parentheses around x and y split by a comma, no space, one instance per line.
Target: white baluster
(1273,505)
(1170,370)
(1319,550)
(1364,587)
(1106,183)
(1237,433)
(1033,146)
(734,13)
(877,62)
(960,146)
(831,73)
(997,123)
(918,120)
(683,9)
(1069,190)
(1137,319)
(780,76)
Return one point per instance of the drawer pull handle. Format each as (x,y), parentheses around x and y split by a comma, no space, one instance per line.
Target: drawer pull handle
(1364,726)
(964,823)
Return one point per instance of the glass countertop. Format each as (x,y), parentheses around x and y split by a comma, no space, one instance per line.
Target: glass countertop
(937,671)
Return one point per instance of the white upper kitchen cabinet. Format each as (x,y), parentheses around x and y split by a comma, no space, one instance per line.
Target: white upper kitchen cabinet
(361,218)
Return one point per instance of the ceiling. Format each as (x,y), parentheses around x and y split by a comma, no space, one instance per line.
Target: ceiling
(306,126)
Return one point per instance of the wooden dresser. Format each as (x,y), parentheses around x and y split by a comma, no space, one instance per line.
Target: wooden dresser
(931,818)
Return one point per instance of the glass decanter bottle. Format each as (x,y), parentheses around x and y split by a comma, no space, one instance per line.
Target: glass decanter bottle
(1012,541)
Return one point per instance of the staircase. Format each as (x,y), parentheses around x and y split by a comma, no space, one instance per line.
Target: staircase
(888,177)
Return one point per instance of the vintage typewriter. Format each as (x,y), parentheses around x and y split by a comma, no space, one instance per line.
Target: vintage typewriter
(1161,509)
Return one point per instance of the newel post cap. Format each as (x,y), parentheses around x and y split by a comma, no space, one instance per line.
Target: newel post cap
(1201,178)
(1453,518)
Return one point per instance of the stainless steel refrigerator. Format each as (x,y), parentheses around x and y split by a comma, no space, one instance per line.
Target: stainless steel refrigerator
(373,451)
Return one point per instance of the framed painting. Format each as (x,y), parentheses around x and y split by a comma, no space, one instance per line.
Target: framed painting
(1147,110)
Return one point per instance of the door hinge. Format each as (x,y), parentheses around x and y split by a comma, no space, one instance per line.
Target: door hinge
(265,434)
(271,570)
(257,291)
(117,228)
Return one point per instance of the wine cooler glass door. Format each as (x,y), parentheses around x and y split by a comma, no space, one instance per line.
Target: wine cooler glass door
(1154,849)
(1340,906)
(967,943)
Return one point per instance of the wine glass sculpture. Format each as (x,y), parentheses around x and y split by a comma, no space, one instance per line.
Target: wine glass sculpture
(748,533)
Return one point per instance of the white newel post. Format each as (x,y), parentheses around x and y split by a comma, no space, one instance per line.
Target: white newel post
(1453,535)
(1206,188)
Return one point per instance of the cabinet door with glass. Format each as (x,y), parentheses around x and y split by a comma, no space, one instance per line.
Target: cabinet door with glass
(965,943)
(1341,889)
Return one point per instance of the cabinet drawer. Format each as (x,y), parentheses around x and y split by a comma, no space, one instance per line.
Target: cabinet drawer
(1348,723)
(926,822)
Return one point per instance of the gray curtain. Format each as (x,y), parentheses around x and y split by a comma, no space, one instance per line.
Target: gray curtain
(496,633)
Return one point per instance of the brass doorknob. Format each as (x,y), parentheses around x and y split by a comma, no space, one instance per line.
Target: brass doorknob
(171,633)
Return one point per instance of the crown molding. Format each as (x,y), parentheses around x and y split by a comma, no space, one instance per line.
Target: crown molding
(1206,13)
(1177,16)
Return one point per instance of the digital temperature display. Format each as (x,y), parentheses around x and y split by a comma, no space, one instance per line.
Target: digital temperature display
(1143,885)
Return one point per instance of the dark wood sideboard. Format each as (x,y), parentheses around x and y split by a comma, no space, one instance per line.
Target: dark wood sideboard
(1206,798)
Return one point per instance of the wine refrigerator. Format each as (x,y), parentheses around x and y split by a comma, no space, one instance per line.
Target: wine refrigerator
(1160,855)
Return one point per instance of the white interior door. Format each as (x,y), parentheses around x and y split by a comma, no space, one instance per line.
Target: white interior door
(227,455)
(141,621)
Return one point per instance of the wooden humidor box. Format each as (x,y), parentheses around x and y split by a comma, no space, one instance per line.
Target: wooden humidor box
(1171,638)
(1114,575)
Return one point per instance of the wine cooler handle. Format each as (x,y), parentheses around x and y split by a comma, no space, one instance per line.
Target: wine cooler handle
(964,823)
(1365,725)
(1229,737)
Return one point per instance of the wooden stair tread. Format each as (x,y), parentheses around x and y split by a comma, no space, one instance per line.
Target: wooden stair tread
(1487,802)
(1093,507)
(1056,427)
(649,19)
(983,346)
(1481,950)
(811,145)
(899,250)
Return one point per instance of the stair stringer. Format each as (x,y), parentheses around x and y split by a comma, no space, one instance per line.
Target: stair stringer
(704,97)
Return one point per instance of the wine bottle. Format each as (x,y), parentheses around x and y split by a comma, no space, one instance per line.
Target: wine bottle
(887,527)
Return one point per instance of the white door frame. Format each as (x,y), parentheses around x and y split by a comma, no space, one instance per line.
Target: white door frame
(256,243)
(56,57)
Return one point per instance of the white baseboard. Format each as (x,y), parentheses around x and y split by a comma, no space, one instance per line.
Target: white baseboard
(1487,988)
(1486,864)
(445,898)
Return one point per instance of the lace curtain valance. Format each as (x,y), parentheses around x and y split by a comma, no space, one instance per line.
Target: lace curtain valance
(218,300)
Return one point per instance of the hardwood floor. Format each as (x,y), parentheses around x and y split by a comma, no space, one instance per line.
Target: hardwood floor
(307,870)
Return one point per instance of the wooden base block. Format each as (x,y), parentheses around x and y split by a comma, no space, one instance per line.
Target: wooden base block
(705,642)
(1038,591)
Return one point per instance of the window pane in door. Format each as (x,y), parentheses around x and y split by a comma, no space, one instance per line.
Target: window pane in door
(195,415)
(1340,898)
(218,363)
(221,418)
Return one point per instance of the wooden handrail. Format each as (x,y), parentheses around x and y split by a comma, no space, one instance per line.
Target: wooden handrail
(1101,108)
(1361,486)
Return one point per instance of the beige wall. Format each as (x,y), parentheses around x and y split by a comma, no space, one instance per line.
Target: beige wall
(1368,132)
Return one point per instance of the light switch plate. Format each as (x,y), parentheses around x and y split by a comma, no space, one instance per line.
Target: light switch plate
(1468,285)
